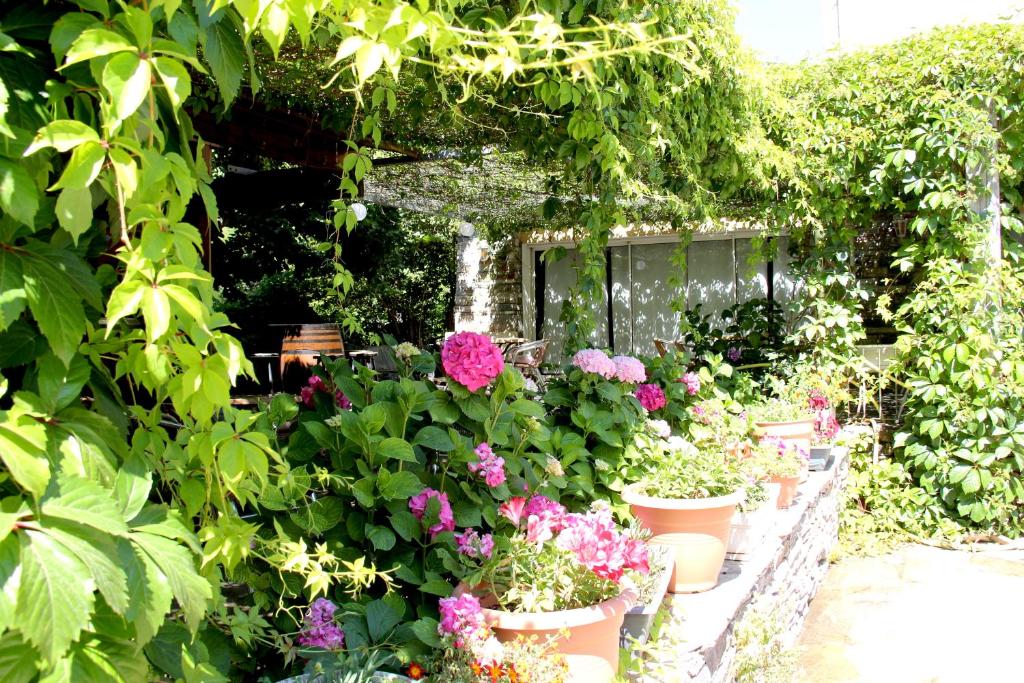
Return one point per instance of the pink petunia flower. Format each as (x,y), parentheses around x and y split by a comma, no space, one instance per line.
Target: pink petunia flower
(513,509)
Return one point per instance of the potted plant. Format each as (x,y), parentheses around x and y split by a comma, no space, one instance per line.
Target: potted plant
(754,518)
(567,578)
(780,418)
(781,463)
(651,589)
(826,427)
(686,497)
(714,424)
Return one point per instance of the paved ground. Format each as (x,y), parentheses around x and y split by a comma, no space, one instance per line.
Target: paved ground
(919,615)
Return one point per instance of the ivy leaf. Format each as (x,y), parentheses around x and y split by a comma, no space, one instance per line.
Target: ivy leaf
(55,595)
(10,577)
(175,78)
(61,385)
(134,481)
(62,135)
(224,52)
(19,195)
(369,59)
(176,563)
(97,552)
(83,167)
(150,591)
(12,291)
(17,659)
(106,660)
(96,42)
(23,451)
(127,78)
(156,310)
(85,502)
(74,211)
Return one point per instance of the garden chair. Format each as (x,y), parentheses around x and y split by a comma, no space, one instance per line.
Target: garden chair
(527,358)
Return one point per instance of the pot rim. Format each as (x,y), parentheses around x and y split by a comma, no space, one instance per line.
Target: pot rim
(559,619)
(633,497)
(804,420)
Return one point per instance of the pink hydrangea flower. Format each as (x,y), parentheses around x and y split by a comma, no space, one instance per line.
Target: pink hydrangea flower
(734,354)
(817,400)
(319,629)
(826,426)
(692,382)
(513,509)
(629,370)
(314,384)
(651,397)
(342,400)
(461,617)
(595,361)
(418,507)
(598,545)
(471,359)
(489,465)
(472,544)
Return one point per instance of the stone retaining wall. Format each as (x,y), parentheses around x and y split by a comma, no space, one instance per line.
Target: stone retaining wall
(697,639)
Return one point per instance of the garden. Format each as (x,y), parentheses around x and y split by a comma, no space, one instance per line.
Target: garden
(451,520)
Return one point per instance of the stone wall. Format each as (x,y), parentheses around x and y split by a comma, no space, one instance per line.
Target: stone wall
(697,641)
(488,287)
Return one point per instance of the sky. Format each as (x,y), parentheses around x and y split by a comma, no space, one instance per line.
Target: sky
(791,30)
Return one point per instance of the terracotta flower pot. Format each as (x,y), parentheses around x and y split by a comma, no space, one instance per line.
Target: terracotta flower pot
(788,491)
(793,433)
(697,529)
(591,647)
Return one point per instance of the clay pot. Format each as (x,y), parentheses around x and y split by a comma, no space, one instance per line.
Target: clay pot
(591,648)
(797,433)
(788,491)
(696,529)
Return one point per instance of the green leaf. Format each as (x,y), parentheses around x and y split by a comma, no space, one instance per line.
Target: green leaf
(363,491)
(426,630)
(85,502)
(55,595)
(96,42)
(380,619)
(127,78)
(406,525)
(399,486)
(381,537)
(23,451)
(133,484)
(107,660)
(62,135)
(56,305)
(434,438)
(176,563)
(524,406)
(369,59)
(74,211)
(83,167)
(61,385)
(320,515)
(225,53)
(437,587)
(97,552)
(156,311)
(150,591)
(19,195)
(12,291)
(17,659)
(396,449)
(175,78)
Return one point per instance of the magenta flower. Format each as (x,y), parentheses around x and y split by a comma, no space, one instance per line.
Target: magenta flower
(598,545)
(595,361)
(319,629)
(461,617)
(629,370)
(817,400)
(418,507)
(513,509)
(544,518)
(651,397)
(342,400)
(471,359)
(490,466)
(826,426)
(313,385)
(734,354)
(472,544)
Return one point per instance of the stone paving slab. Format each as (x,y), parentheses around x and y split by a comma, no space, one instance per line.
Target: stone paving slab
(918,615)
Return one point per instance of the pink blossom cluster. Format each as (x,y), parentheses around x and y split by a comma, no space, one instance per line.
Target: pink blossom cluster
(462,618)
(782,446)
(593,537)
(316,384)
(490,466)
(817,400)
(418,507)
(629,370)
(692,382)
(472,544)
(826,426)
(471,359)
(595,361)
(598,544)
(319,629)
(651,397)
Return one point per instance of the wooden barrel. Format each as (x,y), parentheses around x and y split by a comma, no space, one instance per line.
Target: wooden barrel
(302,345)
